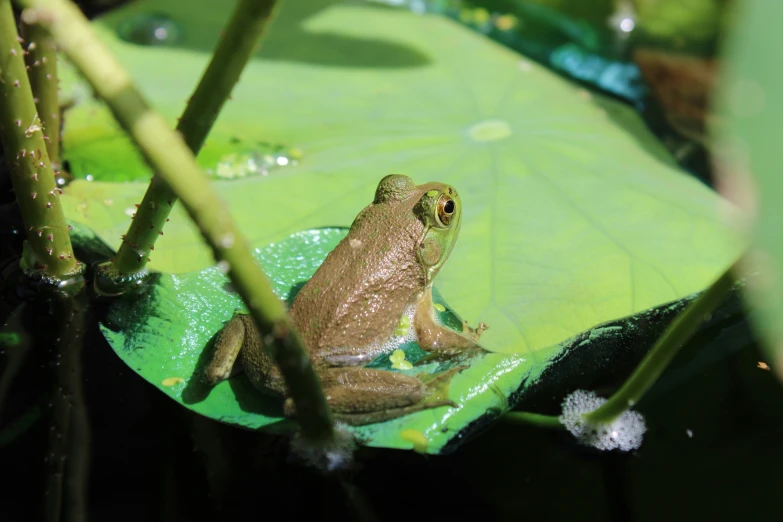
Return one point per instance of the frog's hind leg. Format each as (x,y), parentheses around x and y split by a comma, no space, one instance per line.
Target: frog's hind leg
(363,396)
(228,344)
(434,337)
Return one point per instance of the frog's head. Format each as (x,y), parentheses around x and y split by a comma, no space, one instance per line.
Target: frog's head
(438,207)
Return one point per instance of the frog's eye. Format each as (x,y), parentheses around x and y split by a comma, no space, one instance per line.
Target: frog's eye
(445,210)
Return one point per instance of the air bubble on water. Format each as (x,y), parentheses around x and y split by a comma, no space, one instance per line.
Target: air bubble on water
(224,266)
(624,433)
(89,177)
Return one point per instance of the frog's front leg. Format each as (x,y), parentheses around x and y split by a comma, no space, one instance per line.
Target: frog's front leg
(360,396)
(434,337)
(228,344)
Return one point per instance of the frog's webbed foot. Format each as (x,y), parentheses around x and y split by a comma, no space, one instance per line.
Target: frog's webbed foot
(474,333)
(359,396)
(439,339)
(228,344)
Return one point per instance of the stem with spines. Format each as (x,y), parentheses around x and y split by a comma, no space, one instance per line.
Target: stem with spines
(168,154)
(47,252)
(237,44)
(41,59)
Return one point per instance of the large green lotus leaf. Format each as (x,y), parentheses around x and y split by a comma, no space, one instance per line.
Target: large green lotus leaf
(752,106)
(573,214)
(166,334)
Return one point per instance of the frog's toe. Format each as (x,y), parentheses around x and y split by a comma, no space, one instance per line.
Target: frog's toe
(217,372)
(480,329)
(289,409)
(474,333)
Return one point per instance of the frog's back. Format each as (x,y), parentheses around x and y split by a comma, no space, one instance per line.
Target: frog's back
(356,298)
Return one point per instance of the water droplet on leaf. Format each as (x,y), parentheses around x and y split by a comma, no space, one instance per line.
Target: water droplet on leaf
(261,161)
(149,29)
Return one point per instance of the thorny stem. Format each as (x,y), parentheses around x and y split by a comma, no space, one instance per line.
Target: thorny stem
(238,41)
(666,347)
(48,250)
(41,60)
(168,154)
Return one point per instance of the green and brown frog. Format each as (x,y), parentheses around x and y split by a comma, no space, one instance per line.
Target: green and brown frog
(347,313)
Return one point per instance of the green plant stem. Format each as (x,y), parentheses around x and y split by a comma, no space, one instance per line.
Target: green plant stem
(239,40)
(534,419)
(666,347)
(48,250)
(168,154)
(41,59)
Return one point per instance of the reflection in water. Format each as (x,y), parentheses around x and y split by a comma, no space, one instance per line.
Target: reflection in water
(67,457)
(41,391)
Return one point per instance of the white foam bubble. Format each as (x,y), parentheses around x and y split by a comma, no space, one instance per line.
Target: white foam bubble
(624,433)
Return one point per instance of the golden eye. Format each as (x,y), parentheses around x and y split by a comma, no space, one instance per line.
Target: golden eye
(445,210)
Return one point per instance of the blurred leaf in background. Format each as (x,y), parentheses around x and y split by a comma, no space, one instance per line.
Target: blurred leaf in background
(748,156)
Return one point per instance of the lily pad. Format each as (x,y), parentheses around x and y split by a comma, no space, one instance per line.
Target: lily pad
(574,214)
(166,332)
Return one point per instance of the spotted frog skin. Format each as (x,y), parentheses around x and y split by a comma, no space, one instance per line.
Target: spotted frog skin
(345,314)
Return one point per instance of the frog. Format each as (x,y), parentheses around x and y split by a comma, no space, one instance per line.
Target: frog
(378,277)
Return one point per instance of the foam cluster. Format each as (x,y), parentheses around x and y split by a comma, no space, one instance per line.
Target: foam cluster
(624,433)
